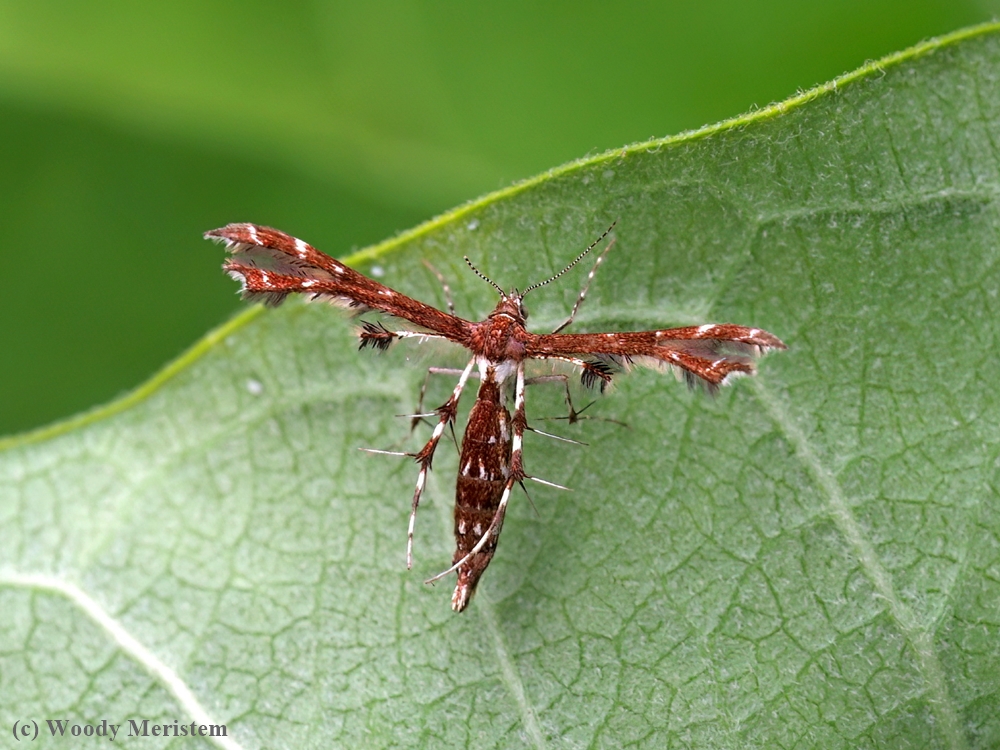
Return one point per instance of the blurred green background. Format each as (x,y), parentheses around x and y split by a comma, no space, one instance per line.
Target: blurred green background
(127,129)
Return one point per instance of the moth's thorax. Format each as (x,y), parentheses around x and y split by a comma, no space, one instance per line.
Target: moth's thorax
(501,372)
(502,336)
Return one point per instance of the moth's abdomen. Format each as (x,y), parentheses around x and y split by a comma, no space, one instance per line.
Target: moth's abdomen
(483,470)
(476,503)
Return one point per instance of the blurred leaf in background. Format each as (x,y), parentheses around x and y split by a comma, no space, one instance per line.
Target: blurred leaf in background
(126,129)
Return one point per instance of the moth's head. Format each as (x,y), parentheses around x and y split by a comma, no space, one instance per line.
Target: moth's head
(511,306)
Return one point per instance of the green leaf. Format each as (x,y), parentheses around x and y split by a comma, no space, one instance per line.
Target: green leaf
(810,560)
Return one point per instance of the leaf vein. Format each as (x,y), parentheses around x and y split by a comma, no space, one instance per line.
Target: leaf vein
(941,702)
(125,640)
(511,677)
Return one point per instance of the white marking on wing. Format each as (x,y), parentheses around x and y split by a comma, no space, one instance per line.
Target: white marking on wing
(238,276)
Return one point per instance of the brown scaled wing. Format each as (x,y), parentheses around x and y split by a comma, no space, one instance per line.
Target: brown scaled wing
(708,354)
(271,265)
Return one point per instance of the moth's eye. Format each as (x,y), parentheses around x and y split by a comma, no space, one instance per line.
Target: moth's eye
(524,311)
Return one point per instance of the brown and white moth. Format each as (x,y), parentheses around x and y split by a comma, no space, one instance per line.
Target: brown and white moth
(271,265)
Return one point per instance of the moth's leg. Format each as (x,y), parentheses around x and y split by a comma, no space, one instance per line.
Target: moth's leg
(419,416)
(446,412)
(574,414)
(520,422)
(564,379)
(379,337)
(444,285)
(593,370)
(586,287)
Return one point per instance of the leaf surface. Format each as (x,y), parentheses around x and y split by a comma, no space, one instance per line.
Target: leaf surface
(809,560)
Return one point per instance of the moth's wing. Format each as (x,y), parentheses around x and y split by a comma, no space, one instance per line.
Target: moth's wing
(271,265)
(710,354)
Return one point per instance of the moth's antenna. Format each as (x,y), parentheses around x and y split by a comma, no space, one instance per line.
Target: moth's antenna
(484,277)
(580,257)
